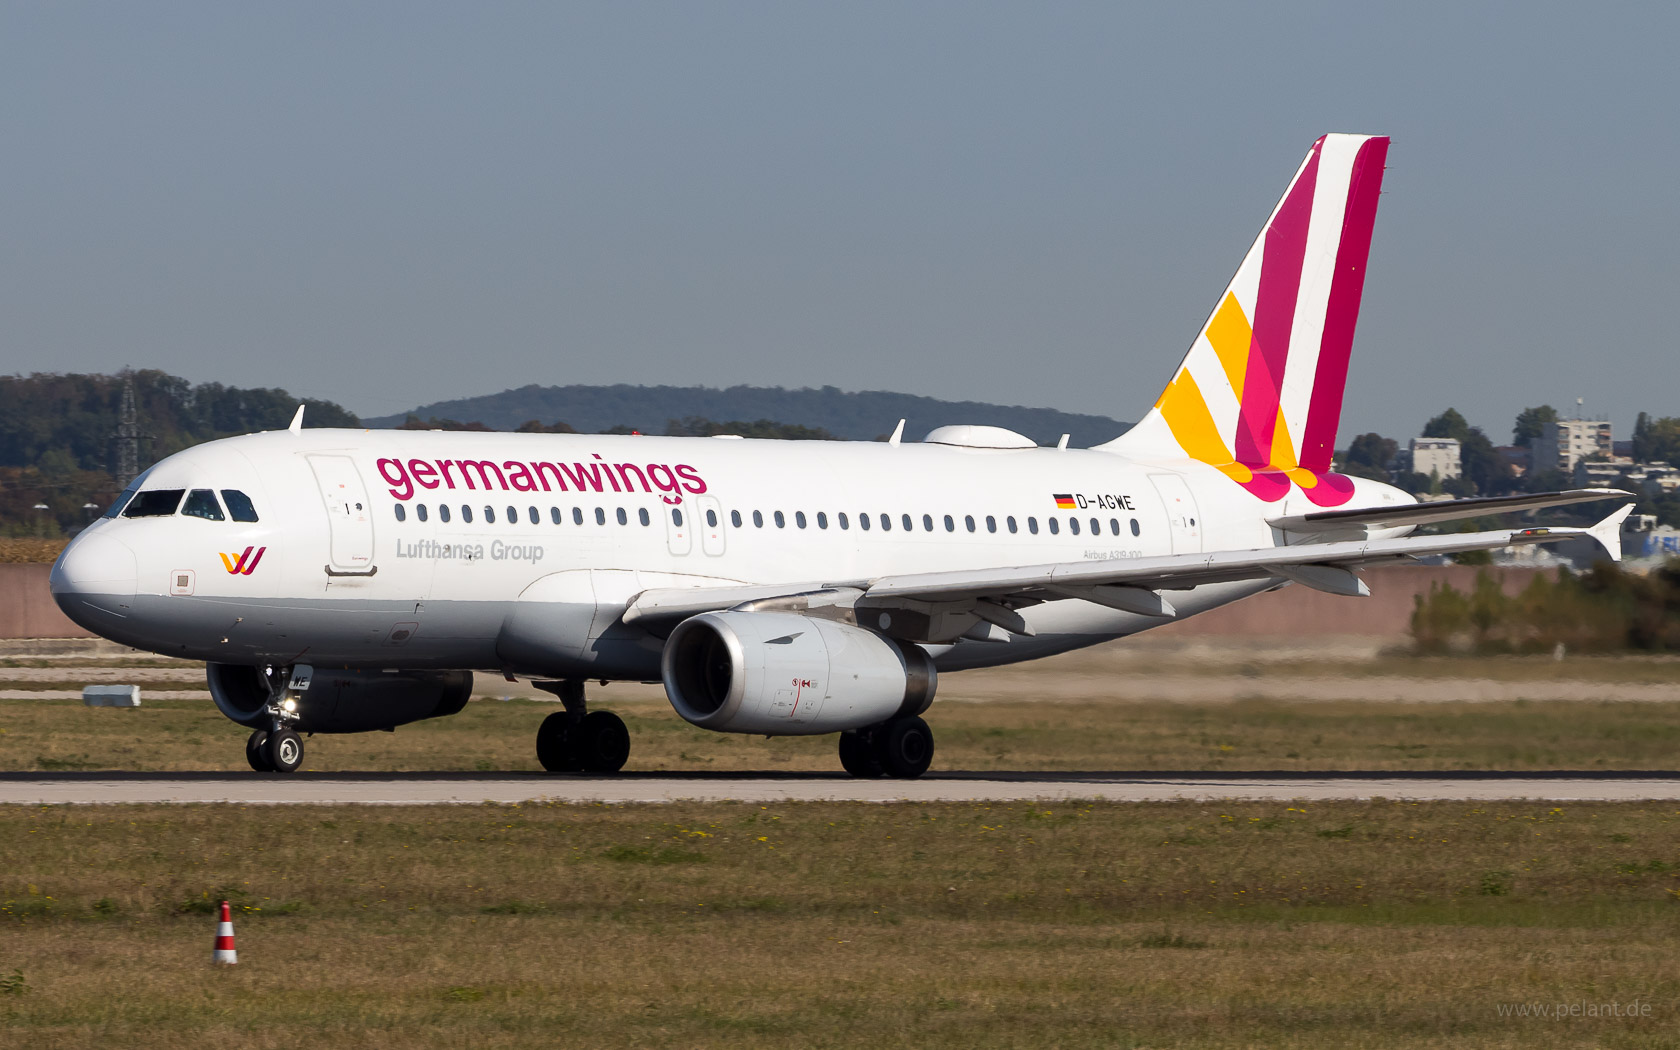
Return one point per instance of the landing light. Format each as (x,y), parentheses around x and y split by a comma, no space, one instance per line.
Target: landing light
(288,705)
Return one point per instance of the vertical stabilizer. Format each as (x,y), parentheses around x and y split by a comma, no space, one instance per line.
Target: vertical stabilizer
(1259,394)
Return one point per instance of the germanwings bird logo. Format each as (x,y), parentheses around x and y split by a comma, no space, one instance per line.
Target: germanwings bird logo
(244,564)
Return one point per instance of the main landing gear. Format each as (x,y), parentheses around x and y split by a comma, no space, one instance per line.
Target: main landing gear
(578,740)
(900,748)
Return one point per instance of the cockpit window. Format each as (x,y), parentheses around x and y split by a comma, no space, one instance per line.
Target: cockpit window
(201,503)
(120,502)
(239,505)
(127,494)
(157,503)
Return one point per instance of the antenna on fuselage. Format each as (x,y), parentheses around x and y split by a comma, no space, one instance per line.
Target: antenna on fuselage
(297,421)
(898,434)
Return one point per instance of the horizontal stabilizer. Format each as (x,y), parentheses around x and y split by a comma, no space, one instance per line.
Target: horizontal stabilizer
(1370,518)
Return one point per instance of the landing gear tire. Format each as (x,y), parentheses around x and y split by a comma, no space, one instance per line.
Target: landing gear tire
(601,742)
(857,755)
(283,751)
(255,753)
(555,748)
(904,747)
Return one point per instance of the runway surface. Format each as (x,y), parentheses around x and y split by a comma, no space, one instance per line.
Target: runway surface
(469,788)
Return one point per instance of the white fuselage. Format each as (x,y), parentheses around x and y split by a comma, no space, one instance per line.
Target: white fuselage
(519,552)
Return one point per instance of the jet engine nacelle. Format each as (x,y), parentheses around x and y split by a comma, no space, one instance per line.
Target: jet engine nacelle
(782,674)
(343,701)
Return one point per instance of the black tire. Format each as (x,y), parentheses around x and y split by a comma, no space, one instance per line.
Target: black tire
(602,742)
(254,752)
(857,755)
(283,751)
(554,744)
(904,747)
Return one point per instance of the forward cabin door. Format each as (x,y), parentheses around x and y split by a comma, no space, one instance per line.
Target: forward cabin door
(349,518)
(1182,520)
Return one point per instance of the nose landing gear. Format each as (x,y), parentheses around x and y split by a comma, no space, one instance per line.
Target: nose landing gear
(279,749)
(578,740)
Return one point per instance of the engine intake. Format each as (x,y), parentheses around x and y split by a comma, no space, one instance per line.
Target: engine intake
(782,674)
(343,701)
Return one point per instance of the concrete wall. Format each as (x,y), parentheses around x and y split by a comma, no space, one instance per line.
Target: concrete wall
(28,611)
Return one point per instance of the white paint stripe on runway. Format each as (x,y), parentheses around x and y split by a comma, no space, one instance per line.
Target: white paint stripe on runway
(264,790)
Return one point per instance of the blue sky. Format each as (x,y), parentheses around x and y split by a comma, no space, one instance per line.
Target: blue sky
(387,204)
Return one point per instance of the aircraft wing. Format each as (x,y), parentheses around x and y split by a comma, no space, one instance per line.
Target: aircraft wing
(1367,518)
(991,595)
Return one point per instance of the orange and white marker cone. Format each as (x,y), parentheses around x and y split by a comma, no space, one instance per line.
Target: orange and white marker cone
(225,952)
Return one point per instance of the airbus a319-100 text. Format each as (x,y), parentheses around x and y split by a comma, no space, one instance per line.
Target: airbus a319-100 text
(352,580)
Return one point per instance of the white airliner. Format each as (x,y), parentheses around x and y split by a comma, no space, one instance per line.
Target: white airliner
(351,580)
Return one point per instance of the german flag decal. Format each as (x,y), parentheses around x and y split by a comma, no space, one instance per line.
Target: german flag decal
(1064,502)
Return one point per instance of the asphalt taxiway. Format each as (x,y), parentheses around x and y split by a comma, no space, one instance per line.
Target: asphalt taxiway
(471,788)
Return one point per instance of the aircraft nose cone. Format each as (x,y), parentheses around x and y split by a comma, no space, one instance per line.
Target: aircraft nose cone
(94,564)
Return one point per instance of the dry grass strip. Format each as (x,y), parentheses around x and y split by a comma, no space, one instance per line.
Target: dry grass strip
(1374,924)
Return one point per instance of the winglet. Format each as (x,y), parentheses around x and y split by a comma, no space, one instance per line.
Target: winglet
(297,421)
(898,434)
(1608,532)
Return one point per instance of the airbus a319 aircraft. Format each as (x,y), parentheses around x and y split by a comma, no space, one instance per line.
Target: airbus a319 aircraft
(341,581)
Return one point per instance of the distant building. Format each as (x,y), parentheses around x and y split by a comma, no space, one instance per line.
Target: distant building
(1567,442)
(1438,457)
(1602,472)
(1642,537)
(1657,480)
(1517,457)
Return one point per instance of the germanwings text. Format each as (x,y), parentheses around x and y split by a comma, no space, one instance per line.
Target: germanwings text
(512,475)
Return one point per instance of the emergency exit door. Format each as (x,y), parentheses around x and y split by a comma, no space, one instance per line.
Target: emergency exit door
(1182,519)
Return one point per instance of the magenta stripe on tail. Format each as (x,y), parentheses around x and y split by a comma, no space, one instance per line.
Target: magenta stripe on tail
(1318,439)
(1274,316)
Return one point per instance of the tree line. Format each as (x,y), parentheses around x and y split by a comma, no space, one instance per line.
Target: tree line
(1488,472)
(59,452)
(58,447)
(690,426)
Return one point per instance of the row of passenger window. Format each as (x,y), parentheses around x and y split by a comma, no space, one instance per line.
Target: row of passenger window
(908,524)
(864,521)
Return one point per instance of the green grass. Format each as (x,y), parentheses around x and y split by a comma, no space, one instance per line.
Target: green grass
(797,925)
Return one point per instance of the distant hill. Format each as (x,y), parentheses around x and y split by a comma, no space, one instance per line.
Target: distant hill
(858,416)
